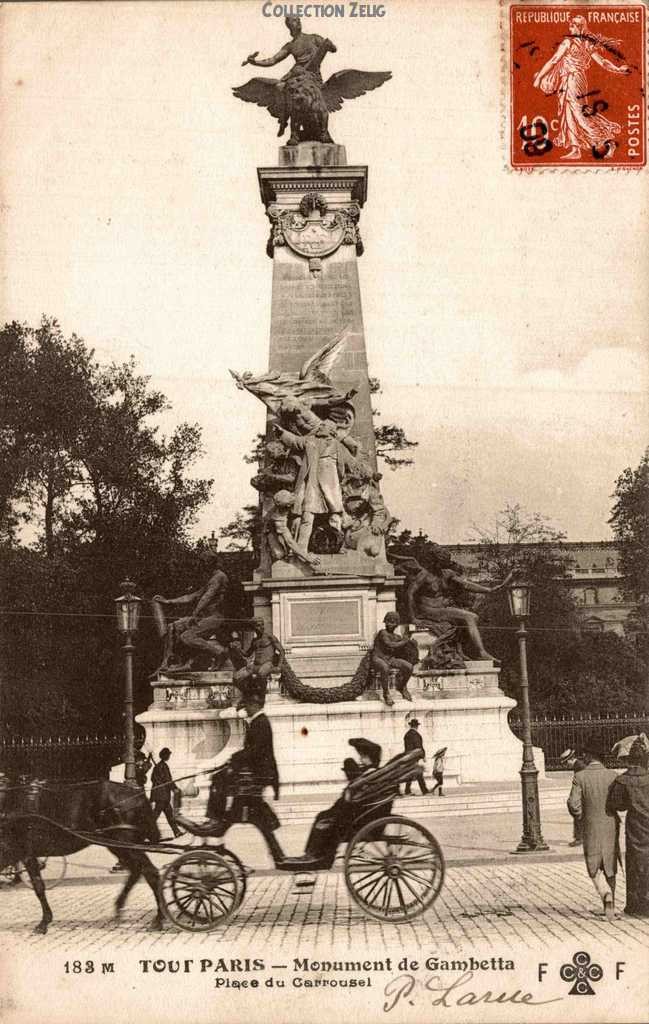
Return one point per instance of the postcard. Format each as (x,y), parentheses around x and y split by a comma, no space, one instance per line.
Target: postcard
(320,321)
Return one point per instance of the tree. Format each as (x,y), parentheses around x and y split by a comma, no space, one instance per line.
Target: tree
(92,493)
(630,522)
(389,437)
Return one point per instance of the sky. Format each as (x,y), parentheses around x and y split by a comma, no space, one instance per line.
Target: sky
(506,314)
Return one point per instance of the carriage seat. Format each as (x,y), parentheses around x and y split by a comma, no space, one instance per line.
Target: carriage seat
(382,785)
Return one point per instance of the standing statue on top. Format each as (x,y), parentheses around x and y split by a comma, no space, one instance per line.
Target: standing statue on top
(301,96)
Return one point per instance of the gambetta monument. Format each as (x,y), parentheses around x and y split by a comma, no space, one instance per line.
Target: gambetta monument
(337,661)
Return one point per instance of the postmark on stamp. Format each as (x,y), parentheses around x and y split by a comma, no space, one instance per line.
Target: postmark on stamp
(577,85)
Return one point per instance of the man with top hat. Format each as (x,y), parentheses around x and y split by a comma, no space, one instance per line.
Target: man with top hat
(412,741)
(256,756)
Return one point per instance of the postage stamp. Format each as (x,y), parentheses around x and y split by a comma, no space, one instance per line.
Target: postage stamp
(577,85)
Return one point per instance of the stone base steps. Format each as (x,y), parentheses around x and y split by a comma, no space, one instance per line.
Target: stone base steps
(453,805)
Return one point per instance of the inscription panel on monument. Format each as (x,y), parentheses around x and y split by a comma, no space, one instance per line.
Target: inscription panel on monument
(316,620)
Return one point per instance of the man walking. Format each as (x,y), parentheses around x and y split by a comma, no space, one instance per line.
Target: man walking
(162,786)
(587,801)
(413,741)
(630,793)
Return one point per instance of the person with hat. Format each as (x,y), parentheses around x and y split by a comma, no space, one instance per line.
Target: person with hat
(162,786)
(412,741)
(326,830)
(588,801)
(630,792)
(438,770)
(257,756)
(570,759)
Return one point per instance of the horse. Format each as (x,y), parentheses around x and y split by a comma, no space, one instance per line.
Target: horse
(31,816)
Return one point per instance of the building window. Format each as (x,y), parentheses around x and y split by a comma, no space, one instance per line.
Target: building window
(590,595)
(593,626)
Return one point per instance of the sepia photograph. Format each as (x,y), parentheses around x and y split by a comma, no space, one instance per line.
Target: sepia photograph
(324,512)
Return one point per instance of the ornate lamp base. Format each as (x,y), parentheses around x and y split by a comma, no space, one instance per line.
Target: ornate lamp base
(531,841)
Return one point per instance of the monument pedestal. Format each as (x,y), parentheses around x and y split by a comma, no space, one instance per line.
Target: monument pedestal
(465,712)
(326,623)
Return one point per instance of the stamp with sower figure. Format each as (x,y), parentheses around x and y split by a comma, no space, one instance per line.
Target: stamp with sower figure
(577,85)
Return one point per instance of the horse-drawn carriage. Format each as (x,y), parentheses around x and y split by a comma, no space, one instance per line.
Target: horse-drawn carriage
(393,866)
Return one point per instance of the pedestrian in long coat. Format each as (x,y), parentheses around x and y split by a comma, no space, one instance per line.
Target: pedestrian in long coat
(587,801)
(630,793)
(412,740)
(162,786)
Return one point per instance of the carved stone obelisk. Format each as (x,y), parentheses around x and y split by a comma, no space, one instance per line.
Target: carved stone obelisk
(325,614)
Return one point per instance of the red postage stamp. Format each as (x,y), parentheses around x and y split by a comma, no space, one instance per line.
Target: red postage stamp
(577,93)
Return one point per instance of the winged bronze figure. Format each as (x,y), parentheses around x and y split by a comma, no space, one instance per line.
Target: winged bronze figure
(310,387)
(301,97)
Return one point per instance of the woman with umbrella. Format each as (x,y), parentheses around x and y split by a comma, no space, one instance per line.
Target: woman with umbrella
(438,769)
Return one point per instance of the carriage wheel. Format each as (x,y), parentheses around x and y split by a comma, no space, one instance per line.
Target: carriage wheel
(394,869)
(242,877)
(199,890)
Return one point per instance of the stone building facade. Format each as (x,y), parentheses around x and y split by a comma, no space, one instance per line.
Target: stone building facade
(593,580)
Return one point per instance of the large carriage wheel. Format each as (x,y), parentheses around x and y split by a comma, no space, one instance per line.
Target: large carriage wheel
(199,890)
(242,877)
(394,869)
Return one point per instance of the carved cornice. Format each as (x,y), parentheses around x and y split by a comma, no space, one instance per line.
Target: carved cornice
(280,181)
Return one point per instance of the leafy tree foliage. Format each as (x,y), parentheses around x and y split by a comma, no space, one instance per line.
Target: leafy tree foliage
(630,522)
(390,439)
(91,493)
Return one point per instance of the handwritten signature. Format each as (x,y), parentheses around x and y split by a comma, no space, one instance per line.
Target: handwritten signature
(402,988)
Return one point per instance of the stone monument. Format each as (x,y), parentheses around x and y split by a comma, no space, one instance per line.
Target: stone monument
(324,585)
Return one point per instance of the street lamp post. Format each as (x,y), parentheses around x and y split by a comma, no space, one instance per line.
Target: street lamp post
(532,839)
(127,609)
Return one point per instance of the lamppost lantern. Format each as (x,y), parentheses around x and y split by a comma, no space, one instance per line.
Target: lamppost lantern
(518,595)
(127,609)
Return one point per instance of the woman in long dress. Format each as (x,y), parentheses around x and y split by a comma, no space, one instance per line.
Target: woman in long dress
(580,125)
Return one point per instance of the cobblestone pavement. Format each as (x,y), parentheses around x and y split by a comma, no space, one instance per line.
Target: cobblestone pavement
(537,912)
(515,904)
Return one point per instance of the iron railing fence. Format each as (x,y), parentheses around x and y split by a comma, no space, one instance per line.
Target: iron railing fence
(555,734)
(60,757)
